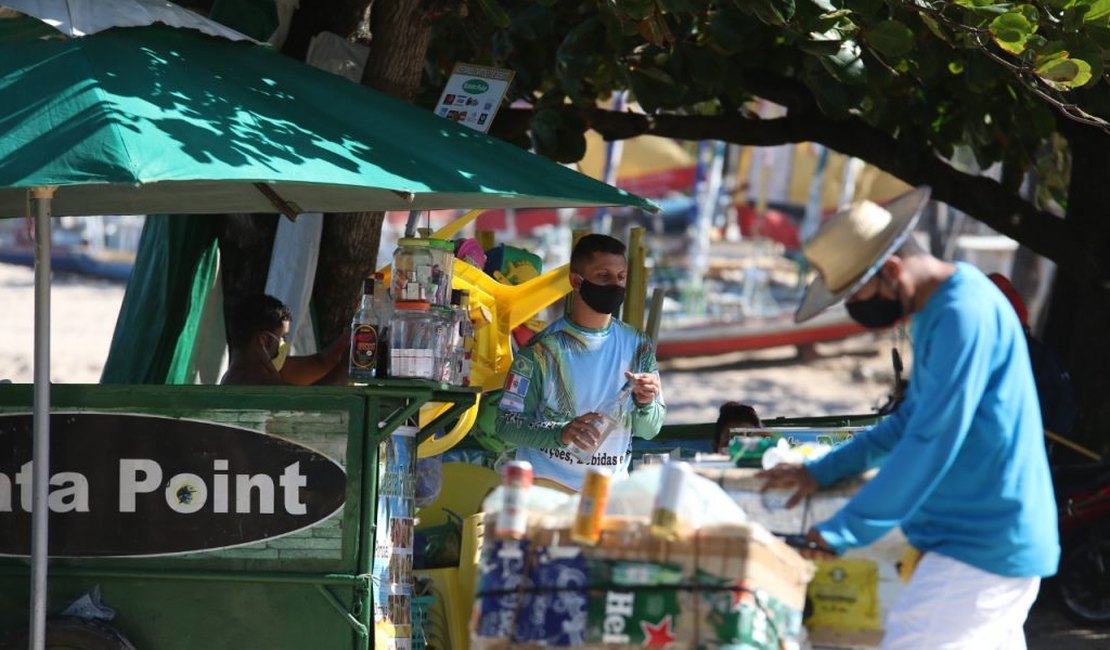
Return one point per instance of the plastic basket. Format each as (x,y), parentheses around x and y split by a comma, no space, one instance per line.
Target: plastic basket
(421,621)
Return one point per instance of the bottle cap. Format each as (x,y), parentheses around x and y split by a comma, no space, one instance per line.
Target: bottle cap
(517,472)
(441,244)
(413,305)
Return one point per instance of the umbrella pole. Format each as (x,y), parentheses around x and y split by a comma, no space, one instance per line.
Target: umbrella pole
(40,468)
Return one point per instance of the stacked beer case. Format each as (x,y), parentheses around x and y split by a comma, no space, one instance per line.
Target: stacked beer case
(733,585)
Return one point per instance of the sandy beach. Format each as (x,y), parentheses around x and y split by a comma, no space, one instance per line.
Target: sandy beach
(848,377)
(83,317)
(852,376)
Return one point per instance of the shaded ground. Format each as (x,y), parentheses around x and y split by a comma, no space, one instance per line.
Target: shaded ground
(1046,629)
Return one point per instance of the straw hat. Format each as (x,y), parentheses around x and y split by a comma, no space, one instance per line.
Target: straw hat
(851,246)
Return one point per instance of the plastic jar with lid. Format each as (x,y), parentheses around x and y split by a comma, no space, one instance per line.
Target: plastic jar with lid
(418,338)
(443,265)
(413,264)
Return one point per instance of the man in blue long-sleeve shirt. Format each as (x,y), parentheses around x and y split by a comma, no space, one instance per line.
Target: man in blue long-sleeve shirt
(963,468)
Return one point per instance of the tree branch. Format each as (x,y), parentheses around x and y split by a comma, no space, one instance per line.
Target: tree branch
(915,163)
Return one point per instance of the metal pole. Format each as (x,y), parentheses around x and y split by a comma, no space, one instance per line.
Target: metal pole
(40,468)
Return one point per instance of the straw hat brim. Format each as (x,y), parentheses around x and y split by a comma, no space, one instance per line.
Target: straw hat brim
(904,213)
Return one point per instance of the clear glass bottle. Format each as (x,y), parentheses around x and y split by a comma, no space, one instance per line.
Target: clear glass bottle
(384,306)
(612,413)
(466,338)
(365,337)
(455,344)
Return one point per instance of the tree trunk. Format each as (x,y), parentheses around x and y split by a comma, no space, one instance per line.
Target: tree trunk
(246,241)
(398,32)
(1026,274)
(348,253)
(1079,317)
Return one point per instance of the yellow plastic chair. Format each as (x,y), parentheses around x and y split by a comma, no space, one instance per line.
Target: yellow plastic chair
(464,487)
(469,555)
(454,588)
(448,614)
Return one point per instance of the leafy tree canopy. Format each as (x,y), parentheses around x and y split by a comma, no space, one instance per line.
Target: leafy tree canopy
(899,84)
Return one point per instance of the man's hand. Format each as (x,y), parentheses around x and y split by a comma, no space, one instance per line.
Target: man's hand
(817,548)
(581,431)
(785,476)
(645,386)
(338,349)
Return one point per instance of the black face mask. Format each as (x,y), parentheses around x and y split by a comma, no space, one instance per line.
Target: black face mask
(876,312)
(602,298)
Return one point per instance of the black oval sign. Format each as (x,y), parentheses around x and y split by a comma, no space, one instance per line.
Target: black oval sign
(131,485)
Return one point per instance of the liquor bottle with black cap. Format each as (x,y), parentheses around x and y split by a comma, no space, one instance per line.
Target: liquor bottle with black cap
(365,336)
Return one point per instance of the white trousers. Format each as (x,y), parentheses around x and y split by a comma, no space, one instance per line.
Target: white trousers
(949,605)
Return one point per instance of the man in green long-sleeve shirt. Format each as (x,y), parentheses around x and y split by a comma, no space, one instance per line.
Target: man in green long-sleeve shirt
(581,361)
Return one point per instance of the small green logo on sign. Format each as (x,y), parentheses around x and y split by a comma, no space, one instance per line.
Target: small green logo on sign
(475,86)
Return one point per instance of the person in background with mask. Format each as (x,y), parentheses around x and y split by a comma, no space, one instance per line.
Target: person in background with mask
(258,352)
(580,361)
(962,463)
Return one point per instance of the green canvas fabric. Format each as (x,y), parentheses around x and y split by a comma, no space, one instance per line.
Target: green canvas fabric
(156,120)
(155,333)
(183,366)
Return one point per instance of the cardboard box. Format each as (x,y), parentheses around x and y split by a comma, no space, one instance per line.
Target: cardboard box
(851,595)
(731,584)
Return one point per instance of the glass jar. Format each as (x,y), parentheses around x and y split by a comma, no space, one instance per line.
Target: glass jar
(443,266)
(413,264)
(419,340)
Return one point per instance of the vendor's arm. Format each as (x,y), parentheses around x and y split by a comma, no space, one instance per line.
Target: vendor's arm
(323,367)
(948,381)
(864,451)
(648,407)
(521,400)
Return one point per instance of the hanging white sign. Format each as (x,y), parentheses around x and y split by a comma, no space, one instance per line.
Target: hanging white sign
(473,94)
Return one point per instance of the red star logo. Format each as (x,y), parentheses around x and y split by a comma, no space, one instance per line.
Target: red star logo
(658,635)
(740,595)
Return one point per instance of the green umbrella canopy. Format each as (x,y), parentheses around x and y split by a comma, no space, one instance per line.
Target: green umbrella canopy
(148,120)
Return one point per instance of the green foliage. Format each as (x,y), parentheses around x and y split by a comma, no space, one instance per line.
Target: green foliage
(493,12)
(558,134)
(1011,30)
(1064,72)
(891,38)
(989,75)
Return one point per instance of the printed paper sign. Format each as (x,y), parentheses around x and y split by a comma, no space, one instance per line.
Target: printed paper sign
(473,94)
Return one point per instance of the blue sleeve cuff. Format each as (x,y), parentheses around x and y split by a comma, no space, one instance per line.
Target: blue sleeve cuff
(823,471)
(837,537)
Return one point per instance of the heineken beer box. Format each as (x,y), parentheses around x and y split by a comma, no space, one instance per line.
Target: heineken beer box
(735,586)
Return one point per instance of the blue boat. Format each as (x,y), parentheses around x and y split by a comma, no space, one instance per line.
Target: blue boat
(98,247)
